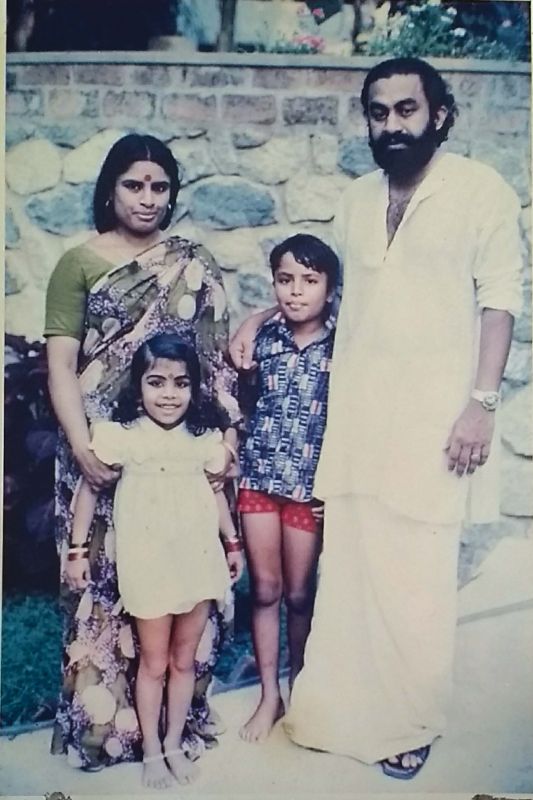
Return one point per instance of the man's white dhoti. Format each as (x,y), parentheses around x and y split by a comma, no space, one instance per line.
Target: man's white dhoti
(378,661)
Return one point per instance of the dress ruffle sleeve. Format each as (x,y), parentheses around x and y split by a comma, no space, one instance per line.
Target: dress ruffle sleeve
(108,442)
(215,452)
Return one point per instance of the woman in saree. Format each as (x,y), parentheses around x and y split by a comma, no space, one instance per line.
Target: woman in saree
(106,297)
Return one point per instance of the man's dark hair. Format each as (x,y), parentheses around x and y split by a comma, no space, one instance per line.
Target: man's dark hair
(310,251)
(131,148)
(437,92)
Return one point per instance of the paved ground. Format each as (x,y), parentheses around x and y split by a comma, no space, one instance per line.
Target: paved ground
(488,748)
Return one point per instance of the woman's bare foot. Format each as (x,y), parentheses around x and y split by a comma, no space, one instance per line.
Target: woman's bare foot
(155,772)
(258,727)
(214,725)
(181,767)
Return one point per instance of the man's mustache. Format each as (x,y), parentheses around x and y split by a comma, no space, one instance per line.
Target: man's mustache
(387,139)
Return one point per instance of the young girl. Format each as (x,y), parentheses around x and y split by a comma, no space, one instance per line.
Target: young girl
(170,560)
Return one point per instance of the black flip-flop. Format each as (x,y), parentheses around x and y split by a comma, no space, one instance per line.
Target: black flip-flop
(406,773)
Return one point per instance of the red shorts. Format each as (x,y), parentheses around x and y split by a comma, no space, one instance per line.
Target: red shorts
(297,515)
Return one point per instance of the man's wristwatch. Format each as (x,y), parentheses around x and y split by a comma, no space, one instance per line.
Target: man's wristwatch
(489,400)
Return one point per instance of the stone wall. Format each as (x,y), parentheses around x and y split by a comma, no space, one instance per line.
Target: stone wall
(266,144)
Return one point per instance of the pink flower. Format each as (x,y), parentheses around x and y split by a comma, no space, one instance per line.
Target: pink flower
(318,13)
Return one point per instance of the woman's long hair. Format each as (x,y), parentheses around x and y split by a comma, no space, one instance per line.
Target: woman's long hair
(131,148)
(202,414)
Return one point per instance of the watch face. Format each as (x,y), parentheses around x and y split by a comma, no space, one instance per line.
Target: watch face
(490,401)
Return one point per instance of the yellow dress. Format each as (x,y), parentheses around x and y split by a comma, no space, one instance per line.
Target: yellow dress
(169,554)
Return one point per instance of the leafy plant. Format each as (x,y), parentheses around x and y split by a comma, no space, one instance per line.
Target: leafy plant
(445,30)
(31,658)
(30,436)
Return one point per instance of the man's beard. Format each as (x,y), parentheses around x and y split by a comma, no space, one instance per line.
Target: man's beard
(405,163)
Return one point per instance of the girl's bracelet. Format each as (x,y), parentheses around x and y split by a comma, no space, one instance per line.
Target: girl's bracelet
(232,545)
(76,555)
(76,546)
(229,447)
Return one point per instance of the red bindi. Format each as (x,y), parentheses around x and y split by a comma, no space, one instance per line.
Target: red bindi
(147,177)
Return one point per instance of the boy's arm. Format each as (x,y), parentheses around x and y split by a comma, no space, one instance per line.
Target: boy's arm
(241,346)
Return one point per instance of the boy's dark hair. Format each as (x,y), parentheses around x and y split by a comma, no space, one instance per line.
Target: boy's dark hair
(310,251)
(437,92)
(131,148)
(202,414)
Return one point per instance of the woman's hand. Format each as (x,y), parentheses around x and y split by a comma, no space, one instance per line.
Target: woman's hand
(235,561)
(97,474)
(229,470)
(78,574)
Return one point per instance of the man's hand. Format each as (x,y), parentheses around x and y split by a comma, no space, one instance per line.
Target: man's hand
(98,475)
(468,444)
(317,510)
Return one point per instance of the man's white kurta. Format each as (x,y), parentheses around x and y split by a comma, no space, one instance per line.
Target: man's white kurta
(403,367)
(408,331)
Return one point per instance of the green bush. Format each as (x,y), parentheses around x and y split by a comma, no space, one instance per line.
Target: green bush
(431,29)
(31,658)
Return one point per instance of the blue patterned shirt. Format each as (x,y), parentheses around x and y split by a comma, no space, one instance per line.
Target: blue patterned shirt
(281,452)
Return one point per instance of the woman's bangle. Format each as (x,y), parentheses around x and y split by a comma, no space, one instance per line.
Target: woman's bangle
(229,447)
(232,545)
(81,546)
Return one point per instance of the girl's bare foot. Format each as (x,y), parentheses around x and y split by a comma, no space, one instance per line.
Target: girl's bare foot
(258,727)
(155,772)
(181,767)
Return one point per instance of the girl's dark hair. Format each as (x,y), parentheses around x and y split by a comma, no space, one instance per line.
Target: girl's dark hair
(202,415)
(131,148)
(436,90)
(309,251)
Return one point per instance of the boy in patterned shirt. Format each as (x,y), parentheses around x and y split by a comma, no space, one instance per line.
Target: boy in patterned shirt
(281,521)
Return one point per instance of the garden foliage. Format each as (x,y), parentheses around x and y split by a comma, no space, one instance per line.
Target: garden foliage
(488,30)
(30,436)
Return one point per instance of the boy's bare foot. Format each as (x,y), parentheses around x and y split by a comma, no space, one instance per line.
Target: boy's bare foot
(155,772)
(262,721)
(181,767)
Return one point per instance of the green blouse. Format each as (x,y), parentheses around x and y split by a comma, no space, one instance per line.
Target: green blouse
(72,279)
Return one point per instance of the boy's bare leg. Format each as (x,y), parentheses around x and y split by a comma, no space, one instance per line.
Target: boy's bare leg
(300,557)
(262,535)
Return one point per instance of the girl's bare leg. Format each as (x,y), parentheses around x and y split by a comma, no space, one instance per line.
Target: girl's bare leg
(262,537)
(154,636)
(300,557)
(187,631)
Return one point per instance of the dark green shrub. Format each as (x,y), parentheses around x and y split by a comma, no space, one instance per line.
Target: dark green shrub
(30,436)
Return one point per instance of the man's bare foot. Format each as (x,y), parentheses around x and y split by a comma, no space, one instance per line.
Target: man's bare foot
(181,767)
(262,721)
(155,772)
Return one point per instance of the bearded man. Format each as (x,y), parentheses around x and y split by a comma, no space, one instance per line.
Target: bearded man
(432,261)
